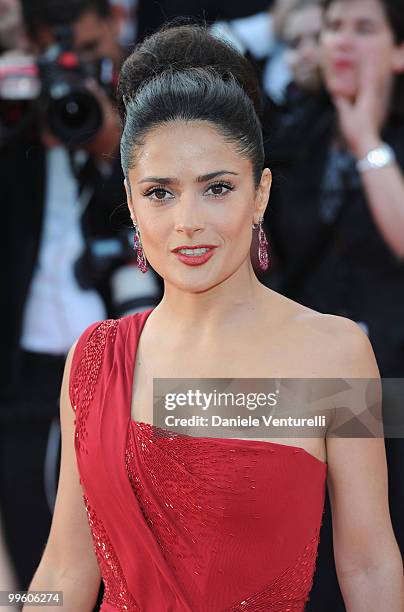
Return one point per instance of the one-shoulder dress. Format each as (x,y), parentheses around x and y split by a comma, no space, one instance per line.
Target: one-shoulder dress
(182,523)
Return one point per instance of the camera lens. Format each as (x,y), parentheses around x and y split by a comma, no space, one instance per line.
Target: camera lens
(74,118)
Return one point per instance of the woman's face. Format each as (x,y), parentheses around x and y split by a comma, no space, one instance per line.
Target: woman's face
(355,33)
(302,33)
(189,187)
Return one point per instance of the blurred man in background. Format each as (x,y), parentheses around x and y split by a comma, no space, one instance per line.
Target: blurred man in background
(68,257)
(282,41)
(12,32)
(299,31)
(301,34)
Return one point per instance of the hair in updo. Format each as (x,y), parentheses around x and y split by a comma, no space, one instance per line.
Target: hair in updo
(182,72)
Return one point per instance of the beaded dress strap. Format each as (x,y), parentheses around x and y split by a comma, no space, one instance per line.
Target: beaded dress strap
(86,366)
(85,369)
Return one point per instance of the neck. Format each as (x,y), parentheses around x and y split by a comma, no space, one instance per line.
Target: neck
(203,313)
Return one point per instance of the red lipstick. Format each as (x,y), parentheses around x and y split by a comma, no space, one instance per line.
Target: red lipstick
(194,260)
(343,64)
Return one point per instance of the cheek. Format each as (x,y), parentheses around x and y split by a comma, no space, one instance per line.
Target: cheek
(291,59)
(325,62)
(237,229)
(377,53)
(162,236)
(313,54)
(155,232)
(326,47)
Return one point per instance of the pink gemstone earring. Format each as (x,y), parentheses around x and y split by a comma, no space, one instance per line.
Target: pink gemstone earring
(141,259)
(262,247)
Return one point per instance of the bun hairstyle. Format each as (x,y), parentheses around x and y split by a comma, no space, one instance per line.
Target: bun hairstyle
(182,72)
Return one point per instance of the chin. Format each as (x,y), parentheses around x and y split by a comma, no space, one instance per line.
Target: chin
(342,87)
(310,83)
(193,287)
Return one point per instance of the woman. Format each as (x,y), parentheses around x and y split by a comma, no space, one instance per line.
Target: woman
(337,223)
(184,523)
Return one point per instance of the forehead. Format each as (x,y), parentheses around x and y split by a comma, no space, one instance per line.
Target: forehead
(307,19)
(8,5)
(89,26)
(186,146)
(356,10)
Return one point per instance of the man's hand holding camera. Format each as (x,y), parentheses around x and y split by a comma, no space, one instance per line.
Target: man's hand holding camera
(104,145)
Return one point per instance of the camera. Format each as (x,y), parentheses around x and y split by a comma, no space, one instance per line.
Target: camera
(54,85)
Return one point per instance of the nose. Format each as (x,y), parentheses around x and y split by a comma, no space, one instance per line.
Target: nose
(189,218)
(343,39)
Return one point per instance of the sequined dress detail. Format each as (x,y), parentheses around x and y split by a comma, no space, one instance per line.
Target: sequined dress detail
(186,524)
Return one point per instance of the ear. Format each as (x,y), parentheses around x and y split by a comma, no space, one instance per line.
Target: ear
(129,200)
(262,195)
(398,59)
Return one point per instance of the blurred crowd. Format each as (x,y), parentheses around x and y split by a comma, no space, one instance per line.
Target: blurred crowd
(332,75)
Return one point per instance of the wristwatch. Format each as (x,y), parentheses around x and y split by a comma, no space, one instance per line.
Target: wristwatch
(377,158)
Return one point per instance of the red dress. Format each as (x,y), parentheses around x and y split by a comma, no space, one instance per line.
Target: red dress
(180,523)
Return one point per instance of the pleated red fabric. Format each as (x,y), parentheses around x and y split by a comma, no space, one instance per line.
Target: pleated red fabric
(180,523)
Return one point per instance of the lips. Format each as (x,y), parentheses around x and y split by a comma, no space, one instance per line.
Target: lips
(196,246)
(343,64)
(194,260)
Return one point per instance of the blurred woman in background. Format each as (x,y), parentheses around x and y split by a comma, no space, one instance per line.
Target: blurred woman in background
(337,222)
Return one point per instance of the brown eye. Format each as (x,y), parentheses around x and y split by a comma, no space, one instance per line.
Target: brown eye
(158,193)
(332,24)
(217,189)
(365,28)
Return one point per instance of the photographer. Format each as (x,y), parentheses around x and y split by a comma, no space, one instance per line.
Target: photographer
(68,257)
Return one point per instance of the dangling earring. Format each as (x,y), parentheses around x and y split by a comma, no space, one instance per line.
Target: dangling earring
(262,247)
(141,260)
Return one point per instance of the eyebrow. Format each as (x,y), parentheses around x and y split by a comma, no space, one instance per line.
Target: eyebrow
(165,180)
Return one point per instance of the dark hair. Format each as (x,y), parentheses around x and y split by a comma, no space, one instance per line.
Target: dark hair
(50,13)
(394,11)
(182,72)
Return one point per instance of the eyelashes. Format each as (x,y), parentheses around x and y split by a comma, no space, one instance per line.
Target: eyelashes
(162,190)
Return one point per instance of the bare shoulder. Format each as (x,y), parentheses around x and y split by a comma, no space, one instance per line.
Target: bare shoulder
(338,344)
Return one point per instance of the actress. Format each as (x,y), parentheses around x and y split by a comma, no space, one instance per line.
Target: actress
(180,523)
